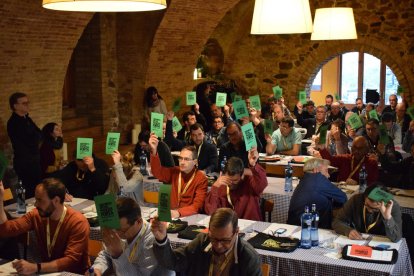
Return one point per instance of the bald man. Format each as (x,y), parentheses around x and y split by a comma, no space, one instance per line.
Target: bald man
(349,165)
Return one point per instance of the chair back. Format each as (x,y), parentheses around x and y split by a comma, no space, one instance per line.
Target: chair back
(303,131)
(265,269)
(151,197)
(266,208)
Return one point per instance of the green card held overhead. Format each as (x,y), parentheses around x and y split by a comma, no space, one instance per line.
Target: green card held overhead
(255,102)
(191,97)
(232,95)
(377,194)
(373,114)
(240,109)
(164,205)
(249,136)
(400,90)
(268,126)
(237,98)
(337,98)
(221,99)
(176,104)
(112,142)
(277,92)
(302,97)
(3,164)
(107,213)
(323,130)
(176,125)
(157,120)
(410,111)
(84,147)
(383,135)
(354,121)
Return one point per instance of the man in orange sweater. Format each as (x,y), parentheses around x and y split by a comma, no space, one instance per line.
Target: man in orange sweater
(62,233)
(189,185)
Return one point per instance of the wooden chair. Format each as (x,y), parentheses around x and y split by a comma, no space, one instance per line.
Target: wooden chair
(8,195)
(94,247)
(265,269)
(266,208)
(151,197)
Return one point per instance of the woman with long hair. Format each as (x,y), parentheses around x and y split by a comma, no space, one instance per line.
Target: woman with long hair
(153,102)
(50,150)
(126,179)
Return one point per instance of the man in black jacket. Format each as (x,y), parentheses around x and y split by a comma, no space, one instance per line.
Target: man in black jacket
(312,125)
(220,252)
(25,137)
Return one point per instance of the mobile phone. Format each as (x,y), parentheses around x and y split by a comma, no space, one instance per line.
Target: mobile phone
(383,246)
(280,231)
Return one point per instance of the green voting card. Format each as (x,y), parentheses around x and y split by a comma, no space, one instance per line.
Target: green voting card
(354,121)
(176,104)
(400,90)
(255,102)
(302,97)
(277,92)
(176,125)
(410,111)
(383,135)
(237,98)
(249,136)
(191,98)
(337,98)
(164,205)
(373,114)
(107,212)
(268,126)
(232,95)
(240,109)
(156,123)
(112,142)
(83,147)
(323,130)
(3,164)
(377,194)
(221,99)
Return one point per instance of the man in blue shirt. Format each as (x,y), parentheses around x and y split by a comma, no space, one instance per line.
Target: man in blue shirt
(285,140)
(315,188)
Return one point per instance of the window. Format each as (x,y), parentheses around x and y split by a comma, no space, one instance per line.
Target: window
(317,82)
(349,77)
(391,85)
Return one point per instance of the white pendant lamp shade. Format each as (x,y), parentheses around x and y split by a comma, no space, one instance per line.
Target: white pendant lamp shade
(334,24)
(281,17)
(105,5)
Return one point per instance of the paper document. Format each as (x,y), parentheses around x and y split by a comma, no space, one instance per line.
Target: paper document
(342,240)
(376,255)
(376,240)
(75,201)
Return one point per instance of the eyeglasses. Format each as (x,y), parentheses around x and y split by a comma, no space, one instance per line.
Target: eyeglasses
(218,122)
(187,159)
(221,241)
(24,103)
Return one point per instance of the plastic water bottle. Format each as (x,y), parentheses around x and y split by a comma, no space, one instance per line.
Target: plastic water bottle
(314,226)
(121,192)
(21,198)
(91,271)
(143,163)
(305,235)
(288,178)
(362,179)
(223,163)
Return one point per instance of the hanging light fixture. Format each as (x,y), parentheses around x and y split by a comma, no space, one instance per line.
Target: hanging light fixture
(105,5)
(334,24)
(281,17)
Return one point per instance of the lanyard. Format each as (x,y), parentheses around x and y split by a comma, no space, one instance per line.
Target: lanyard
(50,246)
(137,242)
(186,187)
(372,224)
(285,146)
(199,149)
(356,168)
(228,197)
(222,266)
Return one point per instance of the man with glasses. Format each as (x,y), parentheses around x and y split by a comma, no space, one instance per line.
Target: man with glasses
(25,137)
(234,189)
(373,138)
(62,233)
(312,125)
(189,185)
(362,214)
(285,140)
(235,146)
(217,134)
(220,252)
(128,251)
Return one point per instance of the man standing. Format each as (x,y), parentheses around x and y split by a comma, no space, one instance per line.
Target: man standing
(234,189)
(62,233)
(135,257)
(217,135)
(189,185)
(361,214)
(328,102)
(315,187)
(25,137)
(359,106)
(285,140)
(220,252)
(393,104)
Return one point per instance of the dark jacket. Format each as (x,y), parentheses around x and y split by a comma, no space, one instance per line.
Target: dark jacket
(163,152)
(310,125)
(315,188)
(208,158)
(403,168)
(192,260)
